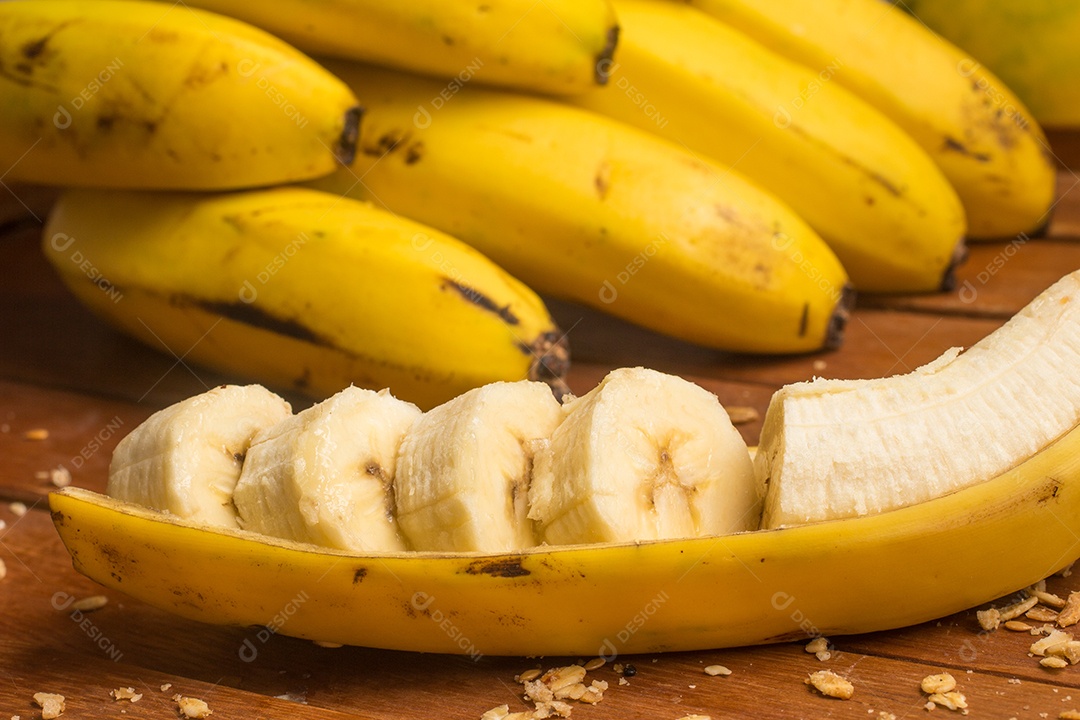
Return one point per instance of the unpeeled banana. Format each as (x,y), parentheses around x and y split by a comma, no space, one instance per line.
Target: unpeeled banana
(970,123)
(302,289)
(857,178)
(936,430)
(586,208)
(551,46)
(146,95)
(186,459)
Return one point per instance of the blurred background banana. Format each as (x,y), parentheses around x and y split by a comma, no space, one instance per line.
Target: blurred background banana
(591,210)
(303,290)
(983,138)
(146,95)
(880,203)
(551,46)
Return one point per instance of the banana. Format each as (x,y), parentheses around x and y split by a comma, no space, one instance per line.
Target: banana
(830,578)
(136,94)
(325,475)
(875,197)
(553,46)
(1029,44)
(972,125)
(908,432)
(302,289)
(643,456)
(186,458)
(464,469)
(584,208)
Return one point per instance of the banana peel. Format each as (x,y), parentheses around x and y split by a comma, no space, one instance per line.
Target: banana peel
(855,575)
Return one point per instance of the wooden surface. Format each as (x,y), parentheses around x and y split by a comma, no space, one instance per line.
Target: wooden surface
(63,371)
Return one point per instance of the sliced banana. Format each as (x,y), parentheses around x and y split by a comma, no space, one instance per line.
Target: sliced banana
(834,449)
(325,475)
(643,456)
(464,469)
(186,459)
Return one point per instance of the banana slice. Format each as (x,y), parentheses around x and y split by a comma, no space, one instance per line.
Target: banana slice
(833,449)
(464,469)
(643,456)
(325,475)
(187,458)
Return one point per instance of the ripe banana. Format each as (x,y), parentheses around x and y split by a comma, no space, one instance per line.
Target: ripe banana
(137,94)
(643,456)
(908,432)
(582,207)
(834,577)
(869,190)
(302,289)
(1029,44)
(464,469)
(971,124)
(186,458)
(325,475)
(553,46)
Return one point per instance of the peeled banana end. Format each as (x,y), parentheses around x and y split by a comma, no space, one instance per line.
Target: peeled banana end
(551,362)
(345,147)
(834,333)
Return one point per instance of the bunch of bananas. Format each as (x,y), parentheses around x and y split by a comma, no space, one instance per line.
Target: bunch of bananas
(723,173)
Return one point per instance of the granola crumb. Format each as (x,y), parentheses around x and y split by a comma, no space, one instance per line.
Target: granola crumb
(90,603)
(1041,614)
(192,708)
(1056,637)
(952,700)
(60,477)
(17,509)
(594,664)
(1049,599)
(127,693)
(885,715)
(1070,614)
(989,619)
(740,415)
(618,667)
(51,704)
(496,713)
(1017,626)
(940,683)
(623,681)
(3,569)
(929,706)
(1014,681)
(1017,609)
(528,675)
(715,670)
(166,687)
(1054,662)
(36,434)
(830,684)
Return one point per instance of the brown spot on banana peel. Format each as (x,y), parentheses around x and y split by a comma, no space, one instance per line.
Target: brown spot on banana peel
(481,300)
(345,147)
(359,575)
(957,146)
(249,314)
(602,68)
(507,567)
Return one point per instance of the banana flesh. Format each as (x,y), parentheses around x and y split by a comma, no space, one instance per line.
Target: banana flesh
(643,456)
(106,93)
(555,46)
(464,470)
(302,289)
(858,179)
(186,459)
(958,420)
(973,126)
(585,208)
(325,475)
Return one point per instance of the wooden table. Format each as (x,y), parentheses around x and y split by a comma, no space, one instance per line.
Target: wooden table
(64,372)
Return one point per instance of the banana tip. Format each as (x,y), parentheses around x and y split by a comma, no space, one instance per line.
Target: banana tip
(551,362)
(605,57)
(345,148)
(959,256)
(834,333)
